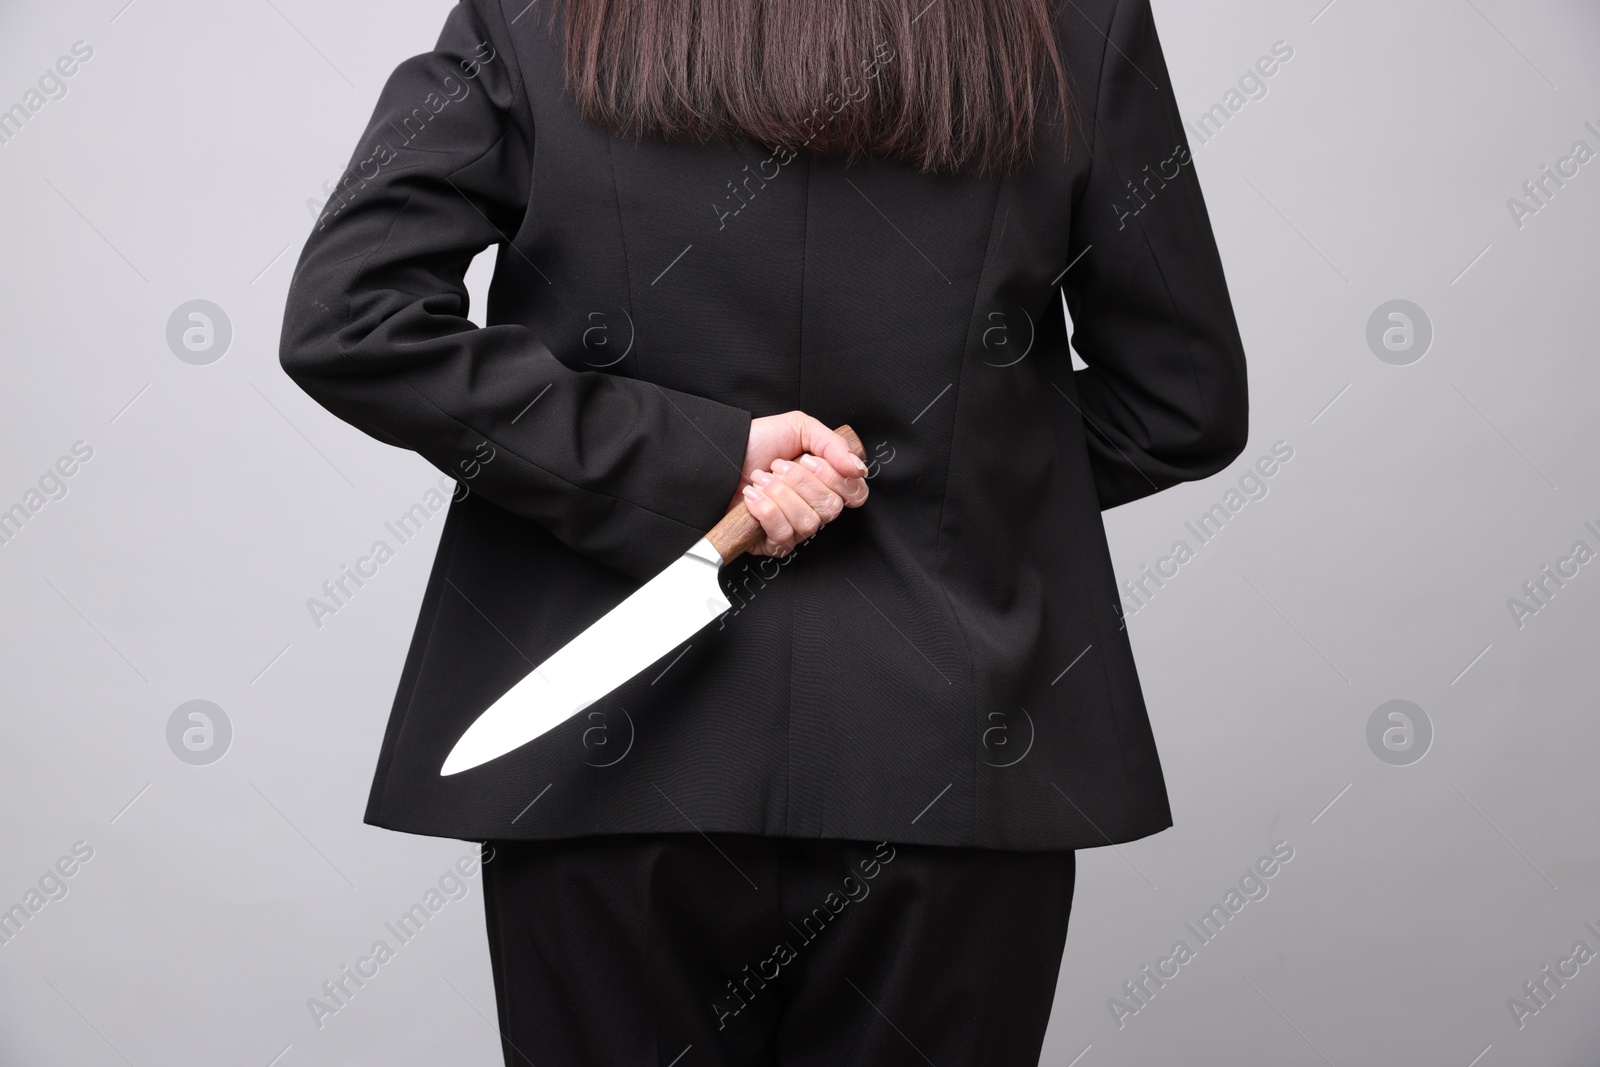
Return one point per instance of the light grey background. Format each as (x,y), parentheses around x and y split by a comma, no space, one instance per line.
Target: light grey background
(1378,566)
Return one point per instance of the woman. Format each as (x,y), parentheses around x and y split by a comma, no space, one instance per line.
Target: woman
(837,826)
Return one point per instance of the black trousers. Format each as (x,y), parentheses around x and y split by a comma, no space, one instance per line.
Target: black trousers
(706,950)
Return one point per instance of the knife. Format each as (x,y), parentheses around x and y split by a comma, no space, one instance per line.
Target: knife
(663,613)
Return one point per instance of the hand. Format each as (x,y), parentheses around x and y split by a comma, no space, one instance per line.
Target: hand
(798,475)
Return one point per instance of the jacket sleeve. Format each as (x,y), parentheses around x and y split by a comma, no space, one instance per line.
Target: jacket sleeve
(1163,392)
(375,328)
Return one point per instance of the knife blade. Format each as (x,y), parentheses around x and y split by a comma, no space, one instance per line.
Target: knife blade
(657,617)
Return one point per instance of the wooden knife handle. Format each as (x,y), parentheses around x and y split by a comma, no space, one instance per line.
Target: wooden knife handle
(739,532)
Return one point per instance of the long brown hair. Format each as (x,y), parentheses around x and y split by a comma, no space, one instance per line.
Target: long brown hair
(941,84)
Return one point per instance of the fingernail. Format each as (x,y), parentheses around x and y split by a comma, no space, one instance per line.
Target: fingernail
(811,462)
(780,465)
(860,466)
(761,477)
(752,493)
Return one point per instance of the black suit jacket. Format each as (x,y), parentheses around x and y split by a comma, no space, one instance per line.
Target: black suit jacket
(945,665)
